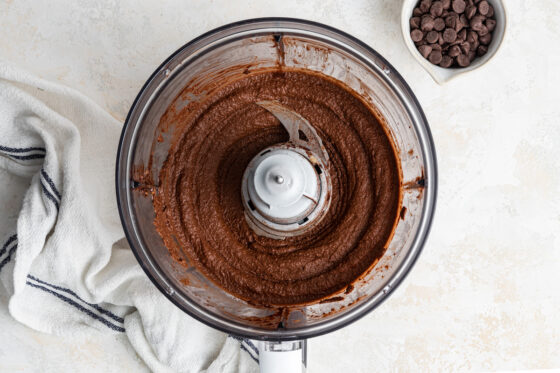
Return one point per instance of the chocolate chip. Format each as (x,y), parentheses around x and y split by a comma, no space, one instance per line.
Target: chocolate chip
(436,47)
(483,31)
(446,61)
(435,57)
(490,11)
(483,7)
(436,9)
(427,23)
(425,50)
(465,47)
(463,60)
(481,51)
(432,37)
(459,25)
(490,24)
(458,6)
(464,20)
(485,39)
(446,4)
(416,35)
(477,22)
(462,35)
(439,24)
(470,11)
(472,36)
(449,35)
(415,22)
(471,55)
(454,51)
(417,12)
(474,45)
(425,5)
(451,20)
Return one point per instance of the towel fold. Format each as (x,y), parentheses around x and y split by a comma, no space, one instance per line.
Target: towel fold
(64,262)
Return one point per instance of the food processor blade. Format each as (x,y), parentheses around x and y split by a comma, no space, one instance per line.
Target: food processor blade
(302,134)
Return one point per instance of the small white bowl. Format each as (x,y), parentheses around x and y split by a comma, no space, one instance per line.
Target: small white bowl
(442,75)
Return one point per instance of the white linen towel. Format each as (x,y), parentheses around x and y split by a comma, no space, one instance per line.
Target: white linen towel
(64,262)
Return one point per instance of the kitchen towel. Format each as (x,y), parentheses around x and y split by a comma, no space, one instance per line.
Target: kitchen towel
(64,263)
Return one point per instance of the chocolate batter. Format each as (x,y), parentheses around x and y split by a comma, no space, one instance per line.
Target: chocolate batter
(199,211)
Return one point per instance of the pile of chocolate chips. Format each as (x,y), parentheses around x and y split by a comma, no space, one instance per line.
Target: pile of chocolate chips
(452,33)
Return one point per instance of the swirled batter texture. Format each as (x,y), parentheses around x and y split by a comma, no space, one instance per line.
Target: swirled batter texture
(199,211)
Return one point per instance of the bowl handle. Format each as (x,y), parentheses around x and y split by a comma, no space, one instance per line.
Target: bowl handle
(283,357)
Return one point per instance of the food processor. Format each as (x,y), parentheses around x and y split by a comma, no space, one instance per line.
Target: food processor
(285,187)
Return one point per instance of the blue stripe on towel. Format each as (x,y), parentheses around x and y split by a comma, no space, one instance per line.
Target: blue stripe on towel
(96,306)
(79,307)
(49,195)
(252,351)
(8,257)
(7,149)
(255,359)
(26,157)
(49,180)
(250,344)
(5,247)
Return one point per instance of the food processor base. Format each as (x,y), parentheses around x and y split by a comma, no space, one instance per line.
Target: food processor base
(283,357)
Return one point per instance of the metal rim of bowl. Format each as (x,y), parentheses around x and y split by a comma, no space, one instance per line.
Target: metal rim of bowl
(409,101)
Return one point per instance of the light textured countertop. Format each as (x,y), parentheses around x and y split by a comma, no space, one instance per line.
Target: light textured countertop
(485,294)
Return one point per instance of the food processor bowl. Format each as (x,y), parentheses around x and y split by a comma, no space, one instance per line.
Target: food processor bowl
(252,45)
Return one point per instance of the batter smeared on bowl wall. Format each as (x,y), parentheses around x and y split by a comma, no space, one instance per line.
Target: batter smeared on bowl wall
(200,211)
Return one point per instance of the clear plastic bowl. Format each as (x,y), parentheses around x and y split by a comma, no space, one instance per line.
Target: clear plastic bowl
(225,52)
